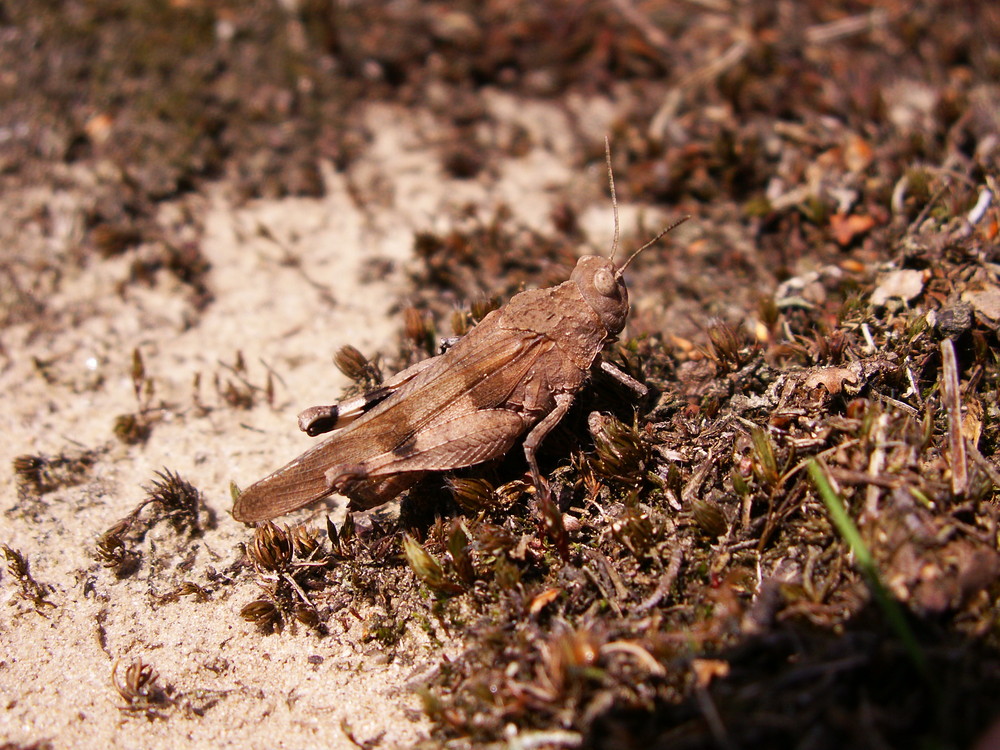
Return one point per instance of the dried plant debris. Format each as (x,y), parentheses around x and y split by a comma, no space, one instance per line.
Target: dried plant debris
(40,474)
(444,580)
(622,452)
(142,694)
(232,384)
(135,427)
(289,562)
(454,267)
(348,575)
(358,368)
(170,498)
(28,589)
(182,260)
(139,688)
(175,500)
(234,110)
(233,387)
(114,554)
(186,588)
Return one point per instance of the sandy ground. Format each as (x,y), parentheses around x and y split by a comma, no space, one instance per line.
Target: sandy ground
(238,687)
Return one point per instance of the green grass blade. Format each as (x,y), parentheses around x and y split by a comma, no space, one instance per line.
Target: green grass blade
(890,607)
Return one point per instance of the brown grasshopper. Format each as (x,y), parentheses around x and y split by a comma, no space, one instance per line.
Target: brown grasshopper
(516,372)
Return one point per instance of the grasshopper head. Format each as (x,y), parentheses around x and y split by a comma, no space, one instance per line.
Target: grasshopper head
(603,288)
(601,282)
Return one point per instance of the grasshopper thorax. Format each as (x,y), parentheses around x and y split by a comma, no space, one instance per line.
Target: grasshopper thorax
(603,289)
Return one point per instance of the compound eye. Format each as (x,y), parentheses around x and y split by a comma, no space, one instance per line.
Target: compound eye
(605,283)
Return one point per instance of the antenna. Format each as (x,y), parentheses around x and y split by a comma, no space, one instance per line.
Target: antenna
(623,266)
(614,198)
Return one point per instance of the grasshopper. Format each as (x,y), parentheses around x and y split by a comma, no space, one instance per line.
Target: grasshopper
(515,372)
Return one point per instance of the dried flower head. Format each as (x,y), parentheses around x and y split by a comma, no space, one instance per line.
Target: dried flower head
(178,499)
(132,429)
(634,531)
(37,474)
(140,689)
(622,451)
(459,323)
(28,588)
(429,569)
(271,548)
(725,346)
(112,552)
(357,366)
(473,495)
(418,330)
(305,541)
(341,541)
(483,306)
(265,614)
(708,517)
